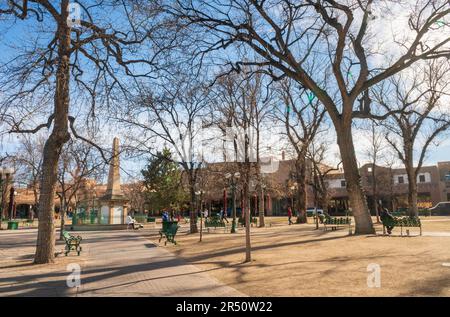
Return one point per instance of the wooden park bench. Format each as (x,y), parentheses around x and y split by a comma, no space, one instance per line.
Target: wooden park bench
(169,231)
(72,243)
(335,222)
(402,222)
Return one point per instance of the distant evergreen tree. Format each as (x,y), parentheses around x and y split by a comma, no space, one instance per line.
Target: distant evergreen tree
(163,182)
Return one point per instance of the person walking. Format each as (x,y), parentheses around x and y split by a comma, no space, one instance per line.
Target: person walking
(223,215)
(387,218)
(290,215)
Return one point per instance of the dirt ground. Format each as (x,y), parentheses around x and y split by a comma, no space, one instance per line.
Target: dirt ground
(297,260)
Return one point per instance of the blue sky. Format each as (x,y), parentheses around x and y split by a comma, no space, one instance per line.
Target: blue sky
(21,33)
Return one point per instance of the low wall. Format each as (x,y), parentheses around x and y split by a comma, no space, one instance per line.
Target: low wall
(95,227)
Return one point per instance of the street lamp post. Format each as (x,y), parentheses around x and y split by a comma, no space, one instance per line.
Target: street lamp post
(200,193)
(233,181)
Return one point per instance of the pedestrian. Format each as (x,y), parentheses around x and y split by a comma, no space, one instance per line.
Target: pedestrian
(206,213)
(223,215)
(130,221)
(387,218)
(290,215)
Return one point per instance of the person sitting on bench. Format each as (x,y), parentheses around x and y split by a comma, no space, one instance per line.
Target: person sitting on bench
(386,215)
(130,221)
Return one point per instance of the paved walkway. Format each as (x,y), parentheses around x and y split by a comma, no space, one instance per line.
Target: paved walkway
(114,263)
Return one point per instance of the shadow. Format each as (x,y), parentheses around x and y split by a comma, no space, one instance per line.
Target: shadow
(231,251)
(430,287)
(24,265)
(29,285)
(111,271)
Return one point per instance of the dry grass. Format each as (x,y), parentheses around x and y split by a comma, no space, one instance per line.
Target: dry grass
(300,261)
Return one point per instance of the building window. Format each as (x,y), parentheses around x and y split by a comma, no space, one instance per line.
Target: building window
(401,180)
(447,177)
(343,183)
(421,178)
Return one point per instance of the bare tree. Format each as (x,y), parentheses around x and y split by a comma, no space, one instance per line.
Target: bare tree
(69,54)
(285,33)
(375,153)
(78,161)
(318,151)
(172,116)
(243,97)
(28,160)
(302,117)
(135,191)
(241,108)
(422,117)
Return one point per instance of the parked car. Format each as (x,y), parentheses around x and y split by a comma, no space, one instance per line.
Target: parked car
(311,211)
(441,208)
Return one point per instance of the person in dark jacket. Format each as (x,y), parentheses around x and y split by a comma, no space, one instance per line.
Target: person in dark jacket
(385,217)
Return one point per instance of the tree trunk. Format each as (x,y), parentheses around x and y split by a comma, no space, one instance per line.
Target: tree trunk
(412,199)
(63,221)
(193,212)
(358,202)
(246,206)
(300,167)
(52,149)
(36,200)
(46,227)
(261,208)
(412,191)
(375,192)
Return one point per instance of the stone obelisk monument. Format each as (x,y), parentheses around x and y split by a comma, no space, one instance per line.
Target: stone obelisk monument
(114,205)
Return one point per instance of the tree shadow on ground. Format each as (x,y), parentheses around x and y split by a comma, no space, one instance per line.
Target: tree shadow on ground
(29,285)
(231,251)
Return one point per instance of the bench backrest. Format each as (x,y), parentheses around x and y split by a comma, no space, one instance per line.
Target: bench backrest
(66,235)
(173,229)
(337,221)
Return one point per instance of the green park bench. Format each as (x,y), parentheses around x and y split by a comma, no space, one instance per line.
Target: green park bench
(253,221)
(151,219)
(413,222)
(214,222)
(72,243)
(169,230)
(335,222)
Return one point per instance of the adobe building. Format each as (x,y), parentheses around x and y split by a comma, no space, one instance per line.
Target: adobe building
(433,184)
(279,187)
(391,188)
